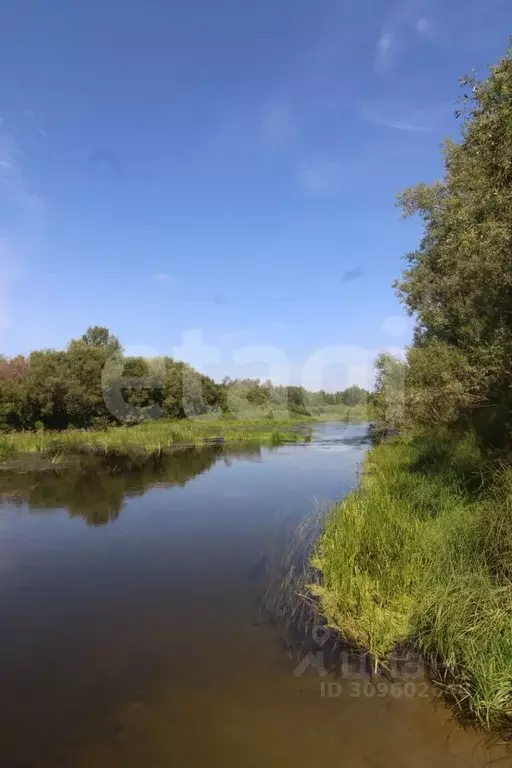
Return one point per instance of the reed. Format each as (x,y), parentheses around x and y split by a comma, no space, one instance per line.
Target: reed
(421,554)
(151,439)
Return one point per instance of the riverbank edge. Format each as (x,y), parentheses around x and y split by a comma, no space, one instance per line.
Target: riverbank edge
(141,442)
(154,439)
(420,556)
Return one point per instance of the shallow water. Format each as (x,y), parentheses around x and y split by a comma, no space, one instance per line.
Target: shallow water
(131,635)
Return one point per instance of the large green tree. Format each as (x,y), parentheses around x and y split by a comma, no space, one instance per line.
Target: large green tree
(458,283)
(92,384)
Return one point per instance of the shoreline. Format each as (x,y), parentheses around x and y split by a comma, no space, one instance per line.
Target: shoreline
(52,451)
(154,439)
(408,559)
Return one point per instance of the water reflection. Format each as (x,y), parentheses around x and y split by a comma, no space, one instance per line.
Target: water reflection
(97,493)
(142,644)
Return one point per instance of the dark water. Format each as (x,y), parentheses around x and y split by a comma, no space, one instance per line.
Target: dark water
(130,633)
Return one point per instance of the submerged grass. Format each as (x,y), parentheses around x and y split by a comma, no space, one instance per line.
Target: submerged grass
(150,439)
(421,553)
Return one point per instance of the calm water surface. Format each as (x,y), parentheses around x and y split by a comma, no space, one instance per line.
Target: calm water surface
(130,631)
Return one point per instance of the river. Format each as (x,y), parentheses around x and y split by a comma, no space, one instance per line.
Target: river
(131,631)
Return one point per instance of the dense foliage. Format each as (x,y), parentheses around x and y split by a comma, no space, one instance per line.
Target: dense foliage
(243,395)
(93,384)
(421,553)
(458,283)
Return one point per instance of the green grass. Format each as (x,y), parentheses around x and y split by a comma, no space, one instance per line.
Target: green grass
(348,413)
(421,553)
(150,439)
(158,437)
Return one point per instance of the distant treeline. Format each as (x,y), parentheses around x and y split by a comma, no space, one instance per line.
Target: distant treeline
(92,384)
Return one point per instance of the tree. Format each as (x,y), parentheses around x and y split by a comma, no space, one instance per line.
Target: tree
(458,283)
(92,384)
(99,336)
(354,395)
(296,399)
(390,390)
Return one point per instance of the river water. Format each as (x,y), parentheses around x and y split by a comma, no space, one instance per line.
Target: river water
(131,635)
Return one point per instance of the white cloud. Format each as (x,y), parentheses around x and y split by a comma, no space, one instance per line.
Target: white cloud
(387,49)
(384,44)
(423,26)
(383,119)
(320,178)
(13,184)
(404,20)
(163,277)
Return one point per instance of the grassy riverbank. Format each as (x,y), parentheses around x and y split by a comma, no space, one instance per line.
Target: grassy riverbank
(354,414)
(422,553)
(150,439)
(162,436)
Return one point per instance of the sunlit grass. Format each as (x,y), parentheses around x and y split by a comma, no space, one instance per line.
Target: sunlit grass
(347,413)
(157,437)
(422,553)
(152,438)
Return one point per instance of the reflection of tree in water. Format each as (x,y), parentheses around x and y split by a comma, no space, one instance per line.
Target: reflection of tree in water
(97,493)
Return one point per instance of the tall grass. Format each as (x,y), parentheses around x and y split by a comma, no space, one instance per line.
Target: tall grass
(421,553)
(348,413)
(151,439)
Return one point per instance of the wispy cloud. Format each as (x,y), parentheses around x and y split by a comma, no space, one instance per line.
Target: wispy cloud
(424,27)
(386,50)
(404,21)
(395,122)
(13,184)
(320,177)
(268,126)
(384,44)
(163,277)
(395,115)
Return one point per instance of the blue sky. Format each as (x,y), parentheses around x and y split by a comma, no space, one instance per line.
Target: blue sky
(224,173)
